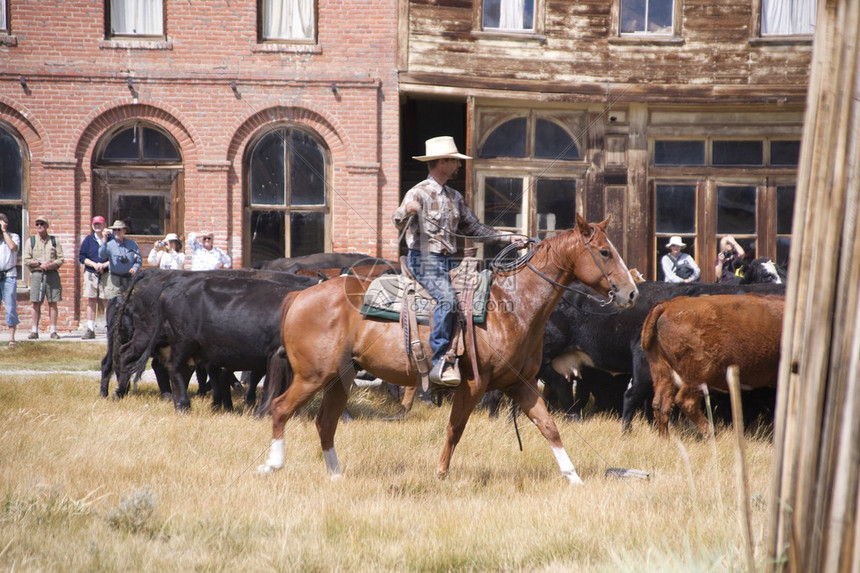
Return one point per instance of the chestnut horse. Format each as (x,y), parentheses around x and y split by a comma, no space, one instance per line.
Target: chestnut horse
(327,339)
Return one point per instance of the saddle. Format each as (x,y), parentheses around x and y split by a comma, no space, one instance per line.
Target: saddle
(401,297)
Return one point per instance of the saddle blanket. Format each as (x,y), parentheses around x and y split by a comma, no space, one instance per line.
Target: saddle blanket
(384,298)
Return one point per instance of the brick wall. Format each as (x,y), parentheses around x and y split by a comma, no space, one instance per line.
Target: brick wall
(344,88)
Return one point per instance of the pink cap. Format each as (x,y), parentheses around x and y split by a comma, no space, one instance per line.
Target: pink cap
(98,219)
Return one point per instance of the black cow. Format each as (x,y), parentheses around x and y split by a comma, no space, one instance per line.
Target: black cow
(581,334)
(226,319)
(318,263)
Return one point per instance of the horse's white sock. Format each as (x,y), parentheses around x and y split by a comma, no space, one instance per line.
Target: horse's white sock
(565,465)
(276,454)
(331,463)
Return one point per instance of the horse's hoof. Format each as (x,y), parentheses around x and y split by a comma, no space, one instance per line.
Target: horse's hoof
(574,479)
(336,477)
(266,469)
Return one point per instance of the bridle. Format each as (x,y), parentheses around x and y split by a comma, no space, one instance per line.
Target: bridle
(525,261)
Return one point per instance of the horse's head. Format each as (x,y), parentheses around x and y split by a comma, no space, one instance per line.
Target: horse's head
(598,265)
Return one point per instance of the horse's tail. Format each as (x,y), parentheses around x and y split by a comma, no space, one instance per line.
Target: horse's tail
(649,328)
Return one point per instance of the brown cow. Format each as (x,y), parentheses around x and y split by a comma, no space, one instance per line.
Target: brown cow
(691,341)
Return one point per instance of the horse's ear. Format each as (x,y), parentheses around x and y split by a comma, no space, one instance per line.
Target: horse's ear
(605,222)
(582,225)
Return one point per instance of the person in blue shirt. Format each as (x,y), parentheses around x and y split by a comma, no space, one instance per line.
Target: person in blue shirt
(95,271)
(124,259)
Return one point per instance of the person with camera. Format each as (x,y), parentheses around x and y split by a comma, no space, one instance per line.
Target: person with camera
(679,267)
(123,257)
(205,256)
(730,258)
(167,253)
(9,244)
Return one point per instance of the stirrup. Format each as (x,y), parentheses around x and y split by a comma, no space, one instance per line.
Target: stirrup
(445,377)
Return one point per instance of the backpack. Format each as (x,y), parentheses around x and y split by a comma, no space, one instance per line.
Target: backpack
(33,241)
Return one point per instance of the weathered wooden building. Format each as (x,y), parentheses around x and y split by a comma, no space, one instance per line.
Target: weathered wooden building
(676,117)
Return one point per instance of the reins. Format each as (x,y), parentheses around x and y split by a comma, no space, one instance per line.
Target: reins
(510,267)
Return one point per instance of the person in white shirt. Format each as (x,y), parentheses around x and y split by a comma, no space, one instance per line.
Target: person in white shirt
(679,267)
(10,244)
(204,255)
(167,253)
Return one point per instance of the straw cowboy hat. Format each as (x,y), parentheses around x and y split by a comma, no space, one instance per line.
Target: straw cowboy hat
(676,240)
(118,224)
(439,147)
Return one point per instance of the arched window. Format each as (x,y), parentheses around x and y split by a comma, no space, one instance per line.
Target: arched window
(529,171)
(287,195)
(138,179)
(12,183)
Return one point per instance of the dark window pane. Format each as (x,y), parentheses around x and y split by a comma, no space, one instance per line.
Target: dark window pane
(660,16)
(783,250)
(507,140)
(267,236)
(784,152)
(632,16)
(268,169)
(307,233)
(784,209)
(15,213)
(156,145)
(736,211)
(668,152)
(676,209)
(307,171)
(502,201)
(10,168)
(492,12)
(123,145)
(144,214)
(556,205)
(553,142)
(738,153)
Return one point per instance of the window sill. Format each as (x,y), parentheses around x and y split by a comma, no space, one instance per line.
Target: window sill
(652,39)
(510,35)
(278,48)
(131,44)
(8,40)
(781,41)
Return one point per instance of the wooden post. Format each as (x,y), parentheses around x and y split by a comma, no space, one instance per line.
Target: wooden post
(734,381)
(813,499)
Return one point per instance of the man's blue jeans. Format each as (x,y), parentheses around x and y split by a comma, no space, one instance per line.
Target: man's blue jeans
(431,270)
(10,302)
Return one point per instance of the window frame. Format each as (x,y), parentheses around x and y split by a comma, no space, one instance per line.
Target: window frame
(325,208)
(675,37)
(23,231)
(756,33)
(313,40)
(538,33)
(109,35)
(7,14)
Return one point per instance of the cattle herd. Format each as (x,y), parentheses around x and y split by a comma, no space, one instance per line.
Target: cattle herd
(671,348)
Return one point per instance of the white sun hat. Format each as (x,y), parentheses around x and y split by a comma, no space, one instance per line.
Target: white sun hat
(676,240)
(439,147)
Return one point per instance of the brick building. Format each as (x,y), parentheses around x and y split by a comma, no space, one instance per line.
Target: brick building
(273,124)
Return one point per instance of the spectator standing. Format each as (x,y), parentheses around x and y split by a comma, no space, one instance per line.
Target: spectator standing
(729,259)
(123,257)
(204,255)
(167,253)
(9,248)
(679,267)
(43,255)
(95,271)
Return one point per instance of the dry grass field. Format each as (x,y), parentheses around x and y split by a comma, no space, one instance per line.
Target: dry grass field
(88,484)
